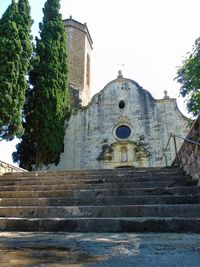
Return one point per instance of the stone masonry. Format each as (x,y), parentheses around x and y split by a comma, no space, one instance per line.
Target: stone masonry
(8,168)
(79,46)
(122,126)
(189,154)
(92,141)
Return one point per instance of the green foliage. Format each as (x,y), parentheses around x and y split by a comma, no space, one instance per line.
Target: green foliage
(46,108)
(25,153)
(10,53)
(188,76)
(24,23)
(15,52)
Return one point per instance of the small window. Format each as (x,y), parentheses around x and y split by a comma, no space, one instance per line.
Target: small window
(88,70)
(121,104)
(123,131)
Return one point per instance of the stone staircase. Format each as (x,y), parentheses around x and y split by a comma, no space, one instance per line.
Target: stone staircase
(121,200)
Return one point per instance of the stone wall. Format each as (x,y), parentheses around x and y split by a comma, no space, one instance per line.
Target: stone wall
(6,168)
(79,47)
(91,141)
(189,154)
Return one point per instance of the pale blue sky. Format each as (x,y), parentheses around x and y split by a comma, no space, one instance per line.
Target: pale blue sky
(149,37)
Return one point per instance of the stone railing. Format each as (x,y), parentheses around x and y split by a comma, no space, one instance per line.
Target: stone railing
(189,153)
(6,168)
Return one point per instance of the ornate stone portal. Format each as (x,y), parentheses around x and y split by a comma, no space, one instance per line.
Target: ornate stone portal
(124,154)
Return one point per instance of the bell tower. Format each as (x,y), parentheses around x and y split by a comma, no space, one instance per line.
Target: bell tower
(79,46)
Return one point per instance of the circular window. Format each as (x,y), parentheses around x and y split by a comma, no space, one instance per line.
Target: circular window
(121,104)
(123,131)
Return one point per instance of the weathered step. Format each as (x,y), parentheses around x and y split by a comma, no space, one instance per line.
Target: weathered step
(109,179)
(179,190)
(132,200)
(148,224)
(117,177)
(101,172)
(100,201)
(94,186)
(178,210)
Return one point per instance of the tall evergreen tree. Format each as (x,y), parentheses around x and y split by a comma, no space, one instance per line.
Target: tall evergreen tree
(26,152)
(24,23)
(15,53)
(47,98)
(11,100)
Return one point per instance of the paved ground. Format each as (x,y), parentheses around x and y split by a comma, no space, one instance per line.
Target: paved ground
(97,250)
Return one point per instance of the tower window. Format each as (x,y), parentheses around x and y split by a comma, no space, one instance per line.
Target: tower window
(121,104)
(88,70)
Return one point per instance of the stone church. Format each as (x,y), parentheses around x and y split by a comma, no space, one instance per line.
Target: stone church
(122,125)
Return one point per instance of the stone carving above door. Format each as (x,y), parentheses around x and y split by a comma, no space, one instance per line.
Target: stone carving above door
(121,154)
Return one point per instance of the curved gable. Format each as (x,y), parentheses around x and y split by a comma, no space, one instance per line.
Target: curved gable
(123,84)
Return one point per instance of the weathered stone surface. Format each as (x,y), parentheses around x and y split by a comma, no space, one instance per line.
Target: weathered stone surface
(79,47)
(136,200)
(99,250)
(178,211)
(100,201)
(116,225)
(189,154)
(8,168)
(91,139)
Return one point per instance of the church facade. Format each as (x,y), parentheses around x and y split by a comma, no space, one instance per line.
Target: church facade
(122,125)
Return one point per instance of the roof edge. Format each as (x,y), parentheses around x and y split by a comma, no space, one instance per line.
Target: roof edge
(80,26)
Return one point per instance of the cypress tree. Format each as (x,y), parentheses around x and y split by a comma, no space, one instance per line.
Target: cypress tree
(15,53)
(11,100)
(47,108)
(24,24)
(26,154)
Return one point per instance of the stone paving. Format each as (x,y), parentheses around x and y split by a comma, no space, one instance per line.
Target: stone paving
(99,249)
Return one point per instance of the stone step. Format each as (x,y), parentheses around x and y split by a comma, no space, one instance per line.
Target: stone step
(101,201)
(147,224)
(144,175)
(131,200)
(179,190)
(104,172)
(82,186)
(64,180)
(178,210)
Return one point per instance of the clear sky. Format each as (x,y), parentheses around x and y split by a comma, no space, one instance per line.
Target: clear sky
(147,39)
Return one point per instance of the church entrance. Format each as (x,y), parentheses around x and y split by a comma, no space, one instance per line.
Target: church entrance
(125,154)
